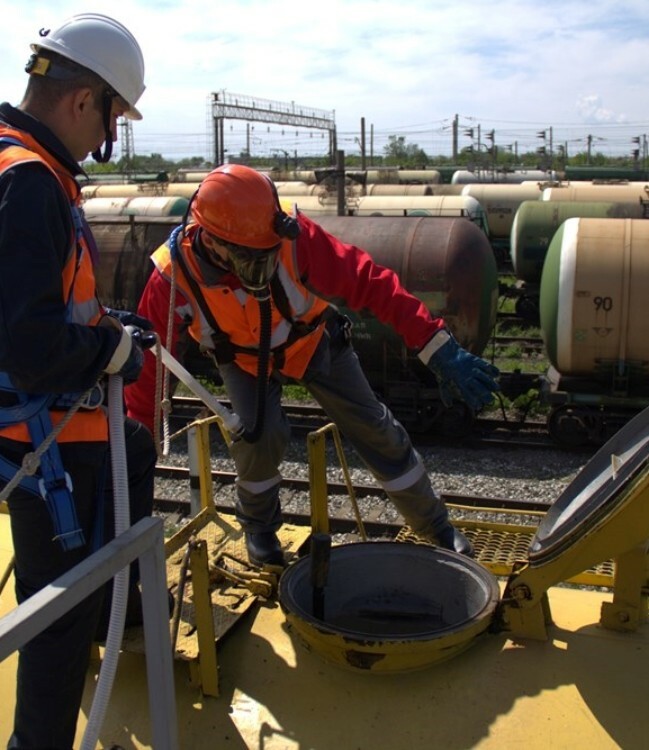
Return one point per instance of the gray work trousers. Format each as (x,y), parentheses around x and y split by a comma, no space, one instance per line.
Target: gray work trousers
(336,381)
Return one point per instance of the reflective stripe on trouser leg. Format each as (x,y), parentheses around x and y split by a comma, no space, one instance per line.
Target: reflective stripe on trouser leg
(378,437)
(257,464)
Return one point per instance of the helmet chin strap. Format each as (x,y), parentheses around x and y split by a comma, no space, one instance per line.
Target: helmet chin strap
(107,105)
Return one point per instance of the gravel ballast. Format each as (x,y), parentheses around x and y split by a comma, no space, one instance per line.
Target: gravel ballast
(516,473)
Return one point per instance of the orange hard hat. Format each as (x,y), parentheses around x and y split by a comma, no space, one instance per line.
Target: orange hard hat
(239,205)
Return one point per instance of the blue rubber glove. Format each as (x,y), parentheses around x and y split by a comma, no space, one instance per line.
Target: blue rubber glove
(459,374)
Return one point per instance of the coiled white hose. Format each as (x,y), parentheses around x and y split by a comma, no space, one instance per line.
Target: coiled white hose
(120,584)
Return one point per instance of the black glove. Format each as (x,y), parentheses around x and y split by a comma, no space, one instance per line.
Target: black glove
(140,340)
(131,369)
(146,338)
(128,358)
(127,318)
(460,374)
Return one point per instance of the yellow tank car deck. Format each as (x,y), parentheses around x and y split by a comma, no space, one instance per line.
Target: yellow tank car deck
(584,687)
(388,644)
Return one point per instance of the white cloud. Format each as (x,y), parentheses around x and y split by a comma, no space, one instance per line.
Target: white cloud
(590,110)
(512,65)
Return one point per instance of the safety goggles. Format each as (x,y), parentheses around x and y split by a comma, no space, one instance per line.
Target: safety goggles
(252,266)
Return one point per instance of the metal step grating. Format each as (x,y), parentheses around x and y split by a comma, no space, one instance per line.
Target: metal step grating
(499,546)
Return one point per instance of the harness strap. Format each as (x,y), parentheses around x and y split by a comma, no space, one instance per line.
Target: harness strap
(224,349)
(7,140)
(299,328)
(54,484)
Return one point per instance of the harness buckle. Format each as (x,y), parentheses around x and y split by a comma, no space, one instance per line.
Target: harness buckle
(57,494)
(346,327)
(55,485)
(93,398)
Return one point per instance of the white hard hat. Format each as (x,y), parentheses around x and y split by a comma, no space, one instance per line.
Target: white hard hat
(105,47)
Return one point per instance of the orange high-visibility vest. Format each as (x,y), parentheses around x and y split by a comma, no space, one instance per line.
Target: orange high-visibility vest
(78,286)
(237,312)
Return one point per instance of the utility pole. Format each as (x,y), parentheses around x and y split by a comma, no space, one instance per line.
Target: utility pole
(635,153)
(551,145)
(340,182)
(545,152)
(492,150)
(126,139)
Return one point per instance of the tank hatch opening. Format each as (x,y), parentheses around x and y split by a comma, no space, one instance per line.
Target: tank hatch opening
(389,607)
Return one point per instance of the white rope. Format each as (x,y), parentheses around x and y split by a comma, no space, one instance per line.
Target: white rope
(162,382)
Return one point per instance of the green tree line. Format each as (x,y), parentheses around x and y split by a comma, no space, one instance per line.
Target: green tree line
(398,152)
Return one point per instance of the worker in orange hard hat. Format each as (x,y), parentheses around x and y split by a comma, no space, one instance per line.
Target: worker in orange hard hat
(256,287)
(57,343)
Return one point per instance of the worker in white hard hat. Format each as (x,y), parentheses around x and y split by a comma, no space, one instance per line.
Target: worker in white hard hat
(57,343)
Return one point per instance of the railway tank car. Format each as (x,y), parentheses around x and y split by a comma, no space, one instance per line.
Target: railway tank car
(540,641)
(136,206)
(442,206)
(500,203)
(377,189)
(500,176)
(595,327)
(618,192)
(168,189)
(449,265)
(591,173)
(125,245)
(534,226)
(446,262)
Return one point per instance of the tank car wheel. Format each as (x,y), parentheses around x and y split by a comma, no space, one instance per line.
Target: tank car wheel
(527,307)
(571,426)
(457,421)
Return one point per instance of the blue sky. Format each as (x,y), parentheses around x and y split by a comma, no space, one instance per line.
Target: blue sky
(406,68)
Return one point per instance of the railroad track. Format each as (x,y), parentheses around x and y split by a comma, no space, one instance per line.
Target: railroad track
(492,430)
(181,473)
(176,488)
(342,519)
(526,344)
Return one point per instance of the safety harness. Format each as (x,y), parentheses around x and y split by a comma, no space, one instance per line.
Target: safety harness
(51,482)
(223,348)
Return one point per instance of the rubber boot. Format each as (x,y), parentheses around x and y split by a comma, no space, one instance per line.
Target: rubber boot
(264,549)
(448,537)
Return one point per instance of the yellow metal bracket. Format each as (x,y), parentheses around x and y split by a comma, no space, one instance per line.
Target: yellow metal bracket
(207,568)
(630,605)
(522,611)
(316,447)
(209,681)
